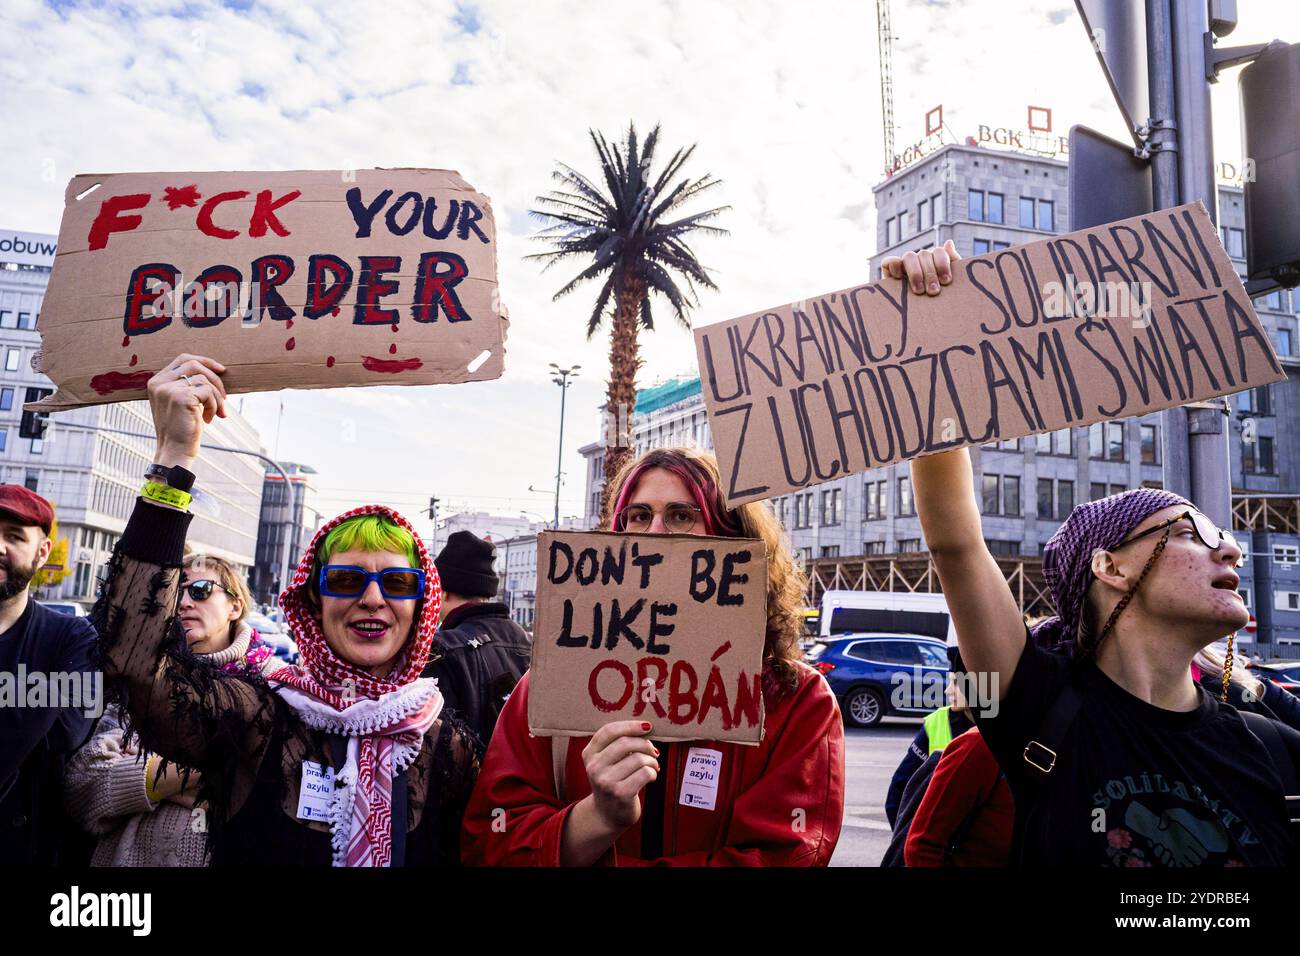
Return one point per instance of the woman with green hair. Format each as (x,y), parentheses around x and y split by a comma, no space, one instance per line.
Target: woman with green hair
(344,760)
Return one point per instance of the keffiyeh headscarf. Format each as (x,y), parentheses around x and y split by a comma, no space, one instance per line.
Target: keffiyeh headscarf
(385,720)
(1067,556)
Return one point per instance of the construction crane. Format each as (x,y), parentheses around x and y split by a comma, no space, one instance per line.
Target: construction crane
(884,40)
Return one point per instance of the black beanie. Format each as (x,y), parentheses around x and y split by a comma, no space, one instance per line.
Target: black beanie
(465,566)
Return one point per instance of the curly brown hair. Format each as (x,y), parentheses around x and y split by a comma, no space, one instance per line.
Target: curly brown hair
(785,580)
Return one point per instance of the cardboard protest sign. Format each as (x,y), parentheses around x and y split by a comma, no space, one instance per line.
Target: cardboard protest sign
(1108,322)
(291,279)
(658,627)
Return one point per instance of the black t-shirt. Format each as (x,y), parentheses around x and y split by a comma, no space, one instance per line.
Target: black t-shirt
(1134,784)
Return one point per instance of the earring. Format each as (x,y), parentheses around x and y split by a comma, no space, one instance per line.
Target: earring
(1227,668)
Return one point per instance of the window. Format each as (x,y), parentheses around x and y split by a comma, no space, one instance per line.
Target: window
(975,205)
(1273,300)
(923,215)
(1064,499)
(936,208)
(1026,213)
(903,232)
(1234,242)
(1059,442)
(1045,497)
(1286,600)
(873,547)
(831,506)
(1009,444)
(1284,342)
(4,438)
(994,208)
(1011,494)
(909,545)
(981,246)
(1097,491)
(1287,555)
(891,231)
(6,399)
(1265,460)
(830,551)
(38,446)
(875,493)
(992,494)
(1055,498)
(12,358)
(906,506)
(999,547)
(1106,441)
(803,510)
(1150,452)
(1046,215)
(33,479)
(1245,596)
(1263,398)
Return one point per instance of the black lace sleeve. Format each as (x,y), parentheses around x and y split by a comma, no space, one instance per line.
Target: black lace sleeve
(457,758)
(180,707)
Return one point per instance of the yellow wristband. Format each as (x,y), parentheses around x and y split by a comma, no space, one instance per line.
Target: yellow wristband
(150,775)
(172,497)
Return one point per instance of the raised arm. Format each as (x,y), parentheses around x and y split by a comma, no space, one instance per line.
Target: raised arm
(990,629)
(182,709)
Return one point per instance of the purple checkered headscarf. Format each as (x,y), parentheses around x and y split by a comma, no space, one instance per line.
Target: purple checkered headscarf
(1067,556)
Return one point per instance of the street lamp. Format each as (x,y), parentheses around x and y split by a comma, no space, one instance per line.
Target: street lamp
(560,376)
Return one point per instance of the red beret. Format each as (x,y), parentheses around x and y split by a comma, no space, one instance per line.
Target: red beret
(25,506)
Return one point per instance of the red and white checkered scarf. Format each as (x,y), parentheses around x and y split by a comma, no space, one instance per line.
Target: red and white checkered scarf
(384,720)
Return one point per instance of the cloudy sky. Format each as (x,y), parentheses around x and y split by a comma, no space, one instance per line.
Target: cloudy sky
(783,100)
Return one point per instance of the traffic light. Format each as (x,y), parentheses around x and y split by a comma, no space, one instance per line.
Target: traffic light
(1270,120)
(33,423)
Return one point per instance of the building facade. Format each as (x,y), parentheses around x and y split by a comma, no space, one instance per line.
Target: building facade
(288,520)
(81,463)
(516,563)
(986,200)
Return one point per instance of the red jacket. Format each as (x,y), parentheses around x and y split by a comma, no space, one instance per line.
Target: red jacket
(966,780)
(780,803)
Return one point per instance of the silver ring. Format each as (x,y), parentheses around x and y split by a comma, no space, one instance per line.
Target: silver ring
(187,381)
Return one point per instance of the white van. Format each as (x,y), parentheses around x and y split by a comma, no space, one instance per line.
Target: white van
(894,612)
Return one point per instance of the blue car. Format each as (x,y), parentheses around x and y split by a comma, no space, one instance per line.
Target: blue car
(882,675)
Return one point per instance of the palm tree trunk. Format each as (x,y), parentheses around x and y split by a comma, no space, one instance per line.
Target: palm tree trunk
(623,365)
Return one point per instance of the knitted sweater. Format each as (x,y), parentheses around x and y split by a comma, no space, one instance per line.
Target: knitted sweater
(104,788)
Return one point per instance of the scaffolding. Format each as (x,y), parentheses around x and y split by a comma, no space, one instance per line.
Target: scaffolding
(915,573)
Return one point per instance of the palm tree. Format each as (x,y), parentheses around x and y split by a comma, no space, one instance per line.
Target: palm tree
(629,234)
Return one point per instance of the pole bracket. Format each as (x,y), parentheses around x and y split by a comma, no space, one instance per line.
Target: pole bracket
(1221,59)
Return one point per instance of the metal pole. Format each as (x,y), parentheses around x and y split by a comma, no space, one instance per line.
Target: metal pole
(559,458)
(1163,143)
(286,569)
(1208,452)
(560,376)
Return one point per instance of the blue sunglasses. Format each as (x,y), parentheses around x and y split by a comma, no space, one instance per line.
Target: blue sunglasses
(350,581)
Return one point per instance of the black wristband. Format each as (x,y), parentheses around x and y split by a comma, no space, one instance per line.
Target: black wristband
(182,479)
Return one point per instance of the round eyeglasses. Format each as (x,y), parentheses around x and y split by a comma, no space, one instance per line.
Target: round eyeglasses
(679,517)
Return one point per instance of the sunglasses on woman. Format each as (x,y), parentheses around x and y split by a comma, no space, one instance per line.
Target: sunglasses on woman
(679,517)
(349,581)
(202,590)
(1207,532)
